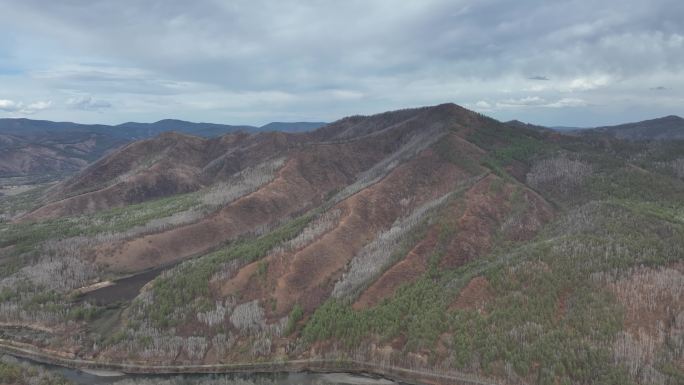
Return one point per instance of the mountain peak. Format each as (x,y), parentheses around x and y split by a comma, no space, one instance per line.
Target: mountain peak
(172,121)
(671,118)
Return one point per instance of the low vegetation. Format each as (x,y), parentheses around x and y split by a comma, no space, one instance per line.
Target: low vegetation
(67,234)
(189,283)
(588,294)
(13,372)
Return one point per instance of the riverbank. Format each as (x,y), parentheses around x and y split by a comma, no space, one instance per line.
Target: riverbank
(394,373)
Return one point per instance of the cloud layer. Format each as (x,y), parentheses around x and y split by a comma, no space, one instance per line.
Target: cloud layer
(20,108)
(563,62)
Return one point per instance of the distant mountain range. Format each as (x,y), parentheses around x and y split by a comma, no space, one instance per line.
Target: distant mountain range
(665,128)
(45,148)
(39,147)
(134,130)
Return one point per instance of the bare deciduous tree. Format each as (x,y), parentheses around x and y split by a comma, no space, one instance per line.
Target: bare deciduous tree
(558,173)
(375,256)
(248,317)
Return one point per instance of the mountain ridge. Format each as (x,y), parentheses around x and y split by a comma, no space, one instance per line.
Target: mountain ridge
(663,128)
(31,147)
(432,238)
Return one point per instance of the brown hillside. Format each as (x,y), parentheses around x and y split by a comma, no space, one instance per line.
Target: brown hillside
(428,240)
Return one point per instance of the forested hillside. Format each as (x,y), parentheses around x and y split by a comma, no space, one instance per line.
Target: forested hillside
(433,239)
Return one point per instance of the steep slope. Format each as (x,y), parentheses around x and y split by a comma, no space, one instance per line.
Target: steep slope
(435,240)
(310,173)
(169,164)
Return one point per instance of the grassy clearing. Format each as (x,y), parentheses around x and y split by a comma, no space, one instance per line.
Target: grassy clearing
(27,235)
(15,204)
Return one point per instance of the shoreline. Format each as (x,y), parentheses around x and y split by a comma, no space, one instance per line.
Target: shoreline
(394,373)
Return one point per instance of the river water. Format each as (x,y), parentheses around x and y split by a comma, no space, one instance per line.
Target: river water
(128,288)
(124,289)
(304,378)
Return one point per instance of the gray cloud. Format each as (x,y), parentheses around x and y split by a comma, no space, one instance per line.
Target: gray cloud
(87,103)
(255,61)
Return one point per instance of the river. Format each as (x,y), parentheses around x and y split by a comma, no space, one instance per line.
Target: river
(124,289)
(303,378)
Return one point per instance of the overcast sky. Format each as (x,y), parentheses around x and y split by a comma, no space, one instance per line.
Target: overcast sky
(573,63)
